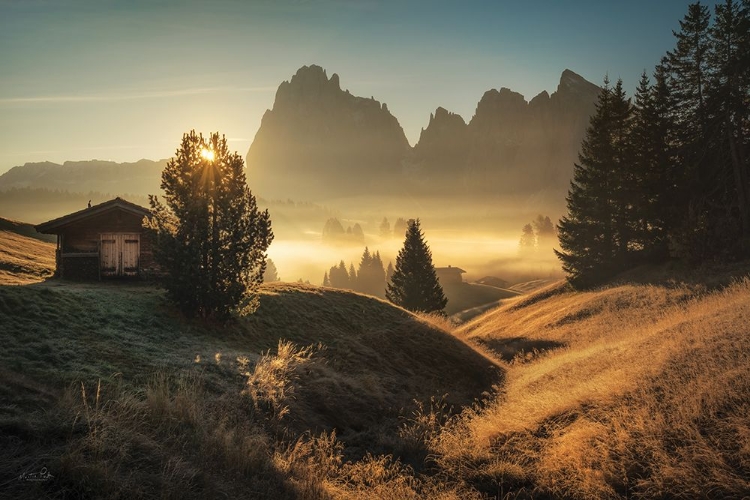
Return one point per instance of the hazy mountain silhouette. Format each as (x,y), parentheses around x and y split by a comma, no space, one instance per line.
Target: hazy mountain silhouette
(319,141)
(510,144)
(442,148)
(140,178)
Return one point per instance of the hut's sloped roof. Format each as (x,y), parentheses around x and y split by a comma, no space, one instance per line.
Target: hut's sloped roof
(51,227)
(449,270)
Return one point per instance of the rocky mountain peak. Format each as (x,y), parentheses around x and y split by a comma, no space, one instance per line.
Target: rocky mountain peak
(442,117)
(573,83)
(309,85)
(541,99)
(316,132)
(311,76)
(502,101)
(509,143)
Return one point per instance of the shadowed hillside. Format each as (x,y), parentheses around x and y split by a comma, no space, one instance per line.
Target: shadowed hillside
(192,407)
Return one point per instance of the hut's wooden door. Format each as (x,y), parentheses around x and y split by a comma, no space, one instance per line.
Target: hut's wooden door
(109,257)
(119,254)
(131,250)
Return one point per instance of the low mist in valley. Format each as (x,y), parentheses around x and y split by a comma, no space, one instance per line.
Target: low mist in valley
(483,239)
(478,234)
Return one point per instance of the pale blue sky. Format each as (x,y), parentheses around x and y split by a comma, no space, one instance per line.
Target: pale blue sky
(123,80)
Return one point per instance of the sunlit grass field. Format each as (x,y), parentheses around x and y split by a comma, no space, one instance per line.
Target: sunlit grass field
(639,389)
(23,259)
(633,390)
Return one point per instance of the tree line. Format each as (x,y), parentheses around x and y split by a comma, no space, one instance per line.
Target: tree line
(370,278)
(665,175)
(334,233)
(412,283)
(539,234)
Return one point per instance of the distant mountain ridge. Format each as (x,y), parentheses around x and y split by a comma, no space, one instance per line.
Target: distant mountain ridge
(509,144)
(141,178)
(318,141)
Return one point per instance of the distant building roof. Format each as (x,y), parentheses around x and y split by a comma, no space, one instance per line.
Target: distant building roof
(449,269)
(50,227)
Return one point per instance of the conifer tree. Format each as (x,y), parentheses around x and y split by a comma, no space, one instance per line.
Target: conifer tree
(620,177)
(271,274)
(687,65)
(352,277)
(371,275)
(389,273)
(528,239)
(546,237)
(385,229)
(687,69)
(338,276)
(326,281)
(594,233)
(211,238)
(652,181)
(414,284)
(728,102)
(706,72)
(333,231)
(364,265)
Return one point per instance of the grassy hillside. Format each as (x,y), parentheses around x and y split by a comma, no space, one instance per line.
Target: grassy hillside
(638,389)
(463,296)
(23,259)
(25,229)
(116,395)
(634,390)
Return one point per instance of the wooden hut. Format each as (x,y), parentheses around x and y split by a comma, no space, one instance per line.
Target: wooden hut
(103,241)
(449,275)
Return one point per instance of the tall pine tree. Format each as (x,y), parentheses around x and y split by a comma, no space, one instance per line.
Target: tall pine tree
(595,234)
(688,74)
(210,236)
(651,179)
(414,284)
(728,102)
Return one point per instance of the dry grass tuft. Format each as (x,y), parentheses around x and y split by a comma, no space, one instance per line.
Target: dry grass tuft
(272,381)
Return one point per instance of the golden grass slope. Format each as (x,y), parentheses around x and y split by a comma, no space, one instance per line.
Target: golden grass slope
(627,391)
(24,259)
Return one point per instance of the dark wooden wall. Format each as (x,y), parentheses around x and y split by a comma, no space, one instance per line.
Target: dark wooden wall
(84,236)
